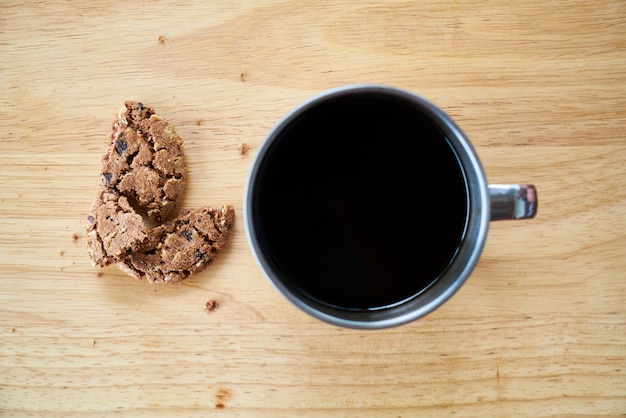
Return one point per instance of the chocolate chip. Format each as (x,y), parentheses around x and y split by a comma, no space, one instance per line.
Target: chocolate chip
(90,219)
(201,256)
(120,146)
(106,178)
(187,233)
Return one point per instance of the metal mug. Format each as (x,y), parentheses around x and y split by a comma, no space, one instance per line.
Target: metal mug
(485,203)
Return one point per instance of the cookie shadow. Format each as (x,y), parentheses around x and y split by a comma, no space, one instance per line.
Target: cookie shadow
(122,289)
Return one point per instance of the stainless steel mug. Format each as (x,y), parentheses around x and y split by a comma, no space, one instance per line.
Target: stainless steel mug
(322,163)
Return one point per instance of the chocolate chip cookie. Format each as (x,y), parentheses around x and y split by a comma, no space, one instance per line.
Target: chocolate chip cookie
(144,161)
(114,228)
(185,245)
(143,168)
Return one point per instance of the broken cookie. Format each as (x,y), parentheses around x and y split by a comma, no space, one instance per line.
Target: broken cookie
(144,161)
(114,229)
(143,168)
(181,247)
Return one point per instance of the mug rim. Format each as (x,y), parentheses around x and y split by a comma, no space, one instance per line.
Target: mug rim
(465,260)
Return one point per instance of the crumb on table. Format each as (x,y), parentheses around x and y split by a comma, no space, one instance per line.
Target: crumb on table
(161,39)
(198,121)
(243,149)
(210,304)
(242,76)
(74,237)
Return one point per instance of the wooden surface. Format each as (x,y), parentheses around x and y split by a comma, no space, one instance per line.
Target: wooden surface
(538,330)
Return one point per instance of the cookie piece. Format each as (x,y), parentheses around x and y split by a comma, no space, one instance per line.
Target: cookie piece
(144,161)
(181,247)
(114,229)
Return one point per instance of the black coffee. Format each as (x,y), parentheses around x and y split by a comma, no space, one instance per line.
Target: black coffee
(361,203)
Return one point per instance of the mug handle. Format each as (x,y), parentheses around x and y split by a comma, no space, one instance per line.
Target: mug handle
(512,201)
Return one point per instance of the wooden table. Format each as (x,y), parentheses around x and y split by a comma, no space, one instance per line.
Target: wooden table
(538,330)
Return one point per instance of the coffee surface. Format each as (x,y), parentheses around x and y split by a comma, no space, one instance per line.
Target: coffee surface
(361,203)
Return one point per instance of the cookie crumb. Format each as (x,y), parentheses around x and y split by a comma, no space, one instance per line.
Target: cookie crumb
(210,304)
(61,253)
(13,329)
(198,121)
(74,237)
(93,343)
(242,76)
(161,39)
(243,149)
(99,274)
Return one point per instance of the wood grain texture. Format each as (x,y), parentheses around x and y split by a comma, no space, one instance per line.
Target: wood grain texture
(538,330)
